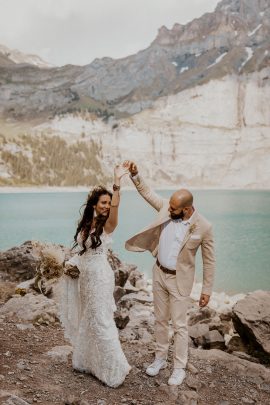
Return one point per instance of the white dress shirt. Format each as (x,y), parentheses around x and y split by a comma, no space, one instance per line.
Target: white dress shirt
(171,238)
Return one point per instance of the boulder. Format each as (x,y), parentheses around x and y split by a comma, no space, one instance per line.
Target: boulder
(210,340)
(214,340)
(130,288)
(134,276)
(188,397)
(224,327)
(118,293)
(236,344)
(121,270)
(121,275)
(37,309)
(198,330)
(121,317)
(19,263)
(203,315)
(232,363)
(143,285)
(7,289)
(60,353)
(7,398)
(251,318)
(114,261)
(141,297)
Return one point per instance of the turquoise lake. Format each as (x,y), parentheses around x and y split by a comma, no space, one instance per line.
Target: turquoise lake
(241,221)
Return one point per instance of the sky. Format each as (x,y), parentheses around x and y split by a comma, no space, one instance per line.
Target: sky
(78,31)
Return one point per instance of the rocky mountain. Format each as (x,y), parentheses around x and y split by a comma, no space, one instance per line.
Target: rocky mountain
(192,108)
(234,39)
(13,56)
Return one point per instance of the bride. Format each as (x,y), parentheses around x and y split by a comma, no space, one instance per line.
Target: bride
(87,304)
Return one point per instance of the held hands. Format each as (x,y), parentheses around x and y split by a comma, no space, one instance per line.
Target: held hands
(204,299)
(132,167)
(120,171)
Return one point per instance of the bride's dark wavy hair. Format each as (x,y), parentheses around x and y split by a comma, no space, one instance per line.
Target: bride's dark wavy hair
(84,225)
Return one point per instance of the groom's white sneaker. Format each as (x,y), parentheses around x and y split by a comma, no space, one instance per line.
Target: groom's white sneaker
(177,376)
(155,367)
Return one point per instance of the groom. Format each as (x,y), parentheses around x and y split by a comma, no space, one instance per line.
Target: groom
(174,238)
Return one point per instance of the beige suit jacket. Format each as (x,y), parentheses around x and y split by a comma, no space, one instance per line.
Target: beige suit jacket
(199,235)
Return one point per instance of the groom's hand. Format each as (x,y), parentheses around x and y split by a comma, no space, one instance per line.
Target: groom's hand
(132,167)
(204,299)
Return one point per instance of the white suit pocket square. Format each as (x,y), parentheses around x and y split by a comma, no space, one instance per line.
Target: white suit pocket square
(195,237)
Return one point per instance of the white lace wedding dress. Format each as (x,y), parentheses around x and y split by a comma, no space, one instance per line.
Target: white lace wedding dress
(86,312)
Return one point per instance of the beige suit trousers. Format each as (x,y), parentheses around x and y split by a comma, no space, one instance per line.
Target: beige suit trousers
(170,305)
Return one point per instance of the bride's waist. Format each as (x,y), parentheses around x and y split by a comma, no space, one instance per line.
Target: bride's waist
(94,253)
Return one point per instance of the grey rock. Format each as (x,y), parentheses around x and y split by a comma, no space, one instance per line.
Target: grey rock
(245,356)
(19,263)
(139,297)
(121,317)
(192,368)
(24,326)
(145,337)
(247,400)
(208,369)
(129,288)
(265,387)
(35,308)
(119,292)
(198,330)
(60,354)
(23,365)
(210,340)
(188,397)
(223,327)
(214,340)
(193,383)
(7,398)
(202,314)
(251,317)
(236,344)
(169,391)
(232,363)
(134,276)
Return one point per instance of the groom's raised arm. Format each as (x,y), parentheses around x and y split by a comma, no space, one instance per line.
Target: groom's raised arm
(146,192)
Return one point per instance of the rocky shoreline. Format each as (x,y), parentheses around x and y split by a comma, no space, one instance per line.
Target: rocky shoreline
(229,343)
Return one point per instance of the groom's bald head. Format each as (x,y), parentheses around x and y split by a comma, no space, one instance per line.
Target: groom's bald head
(183,198)
(181,204)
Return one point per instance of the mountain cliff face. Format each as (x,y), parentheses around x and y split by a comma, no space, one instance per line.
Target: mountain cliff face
(213,135)
(200,94)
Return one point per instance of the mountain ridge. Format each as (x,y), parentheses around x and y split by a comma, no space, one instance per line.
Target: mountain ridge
(234,39)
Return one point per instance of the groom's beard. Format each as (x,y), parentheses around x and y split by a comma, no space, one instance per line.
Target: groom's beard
(177,216)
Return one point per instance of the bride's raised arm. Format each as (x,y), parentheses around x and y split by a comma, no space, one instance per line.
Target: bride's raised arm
(112,221)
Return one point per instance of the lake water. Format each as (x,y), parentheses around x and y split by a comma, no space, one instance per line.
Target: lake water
(241,221)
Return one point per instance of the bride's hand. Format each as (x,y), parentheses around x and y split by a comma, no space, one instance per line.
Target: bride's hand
(120,171)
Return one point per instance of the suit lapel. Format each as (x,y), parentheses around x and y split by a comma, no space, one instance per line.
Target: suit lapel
(188,234)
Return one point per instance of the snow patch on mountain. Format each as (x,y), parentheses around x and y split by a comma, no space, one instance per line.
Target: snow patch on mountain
(250,34)
(219,59)
(249,52)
